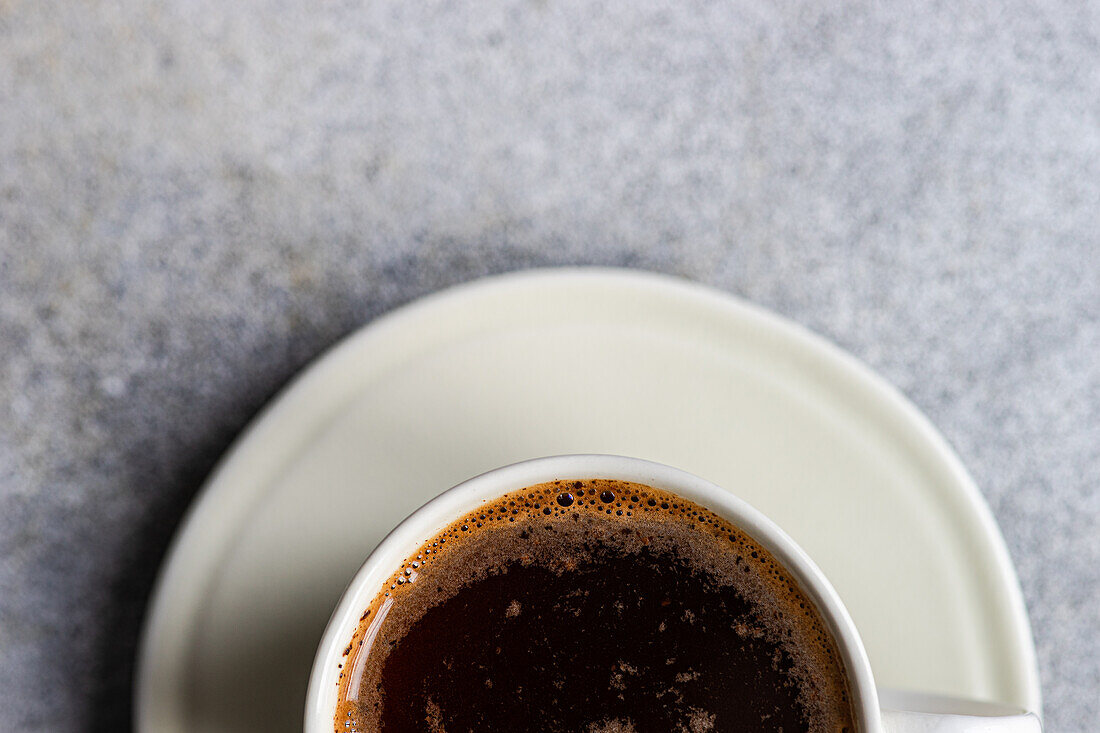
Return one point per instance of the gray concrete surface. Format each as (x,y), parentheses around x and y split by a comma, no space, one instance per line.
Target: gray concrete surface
(198,196)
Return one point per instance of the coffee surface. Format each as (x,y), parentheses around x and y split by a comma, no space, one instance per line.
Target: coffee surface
(592,606)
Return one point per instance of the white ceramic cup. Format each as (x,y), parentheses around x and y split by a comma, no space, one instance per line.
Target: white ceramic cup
(877,711)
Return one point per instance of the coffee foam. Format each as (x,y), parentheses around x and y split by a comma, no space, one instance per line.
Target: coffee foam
(550,525)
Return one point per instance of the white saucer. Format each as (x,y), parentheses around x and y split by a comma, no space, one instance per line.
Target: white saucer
(576,361)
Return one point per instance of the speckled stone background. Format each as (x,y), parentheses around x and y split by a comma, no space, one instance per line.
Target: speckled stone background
(198,196)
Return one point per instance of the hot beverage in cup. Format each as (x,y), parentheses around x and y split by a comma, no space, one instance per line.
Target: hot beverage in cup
(592,605)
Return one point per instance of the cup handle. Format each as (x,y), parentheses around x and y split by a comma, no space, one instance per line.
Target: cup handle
(915,712)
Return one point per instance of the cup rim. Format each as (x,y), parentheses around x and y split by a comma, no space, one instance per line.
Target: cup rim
(437,513)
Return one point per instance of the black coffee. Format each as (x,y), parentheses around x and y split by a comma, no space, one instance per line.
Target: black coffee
(593,606)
